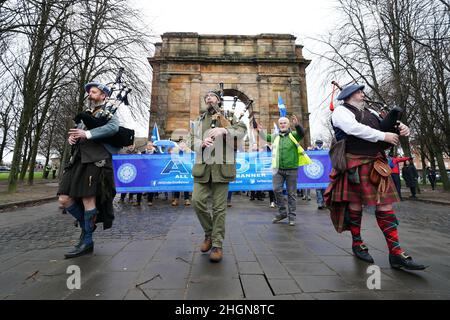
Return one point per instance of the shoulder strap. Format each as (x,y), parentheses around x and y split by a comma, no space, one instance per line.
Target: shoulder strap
(291,136)
(276,139)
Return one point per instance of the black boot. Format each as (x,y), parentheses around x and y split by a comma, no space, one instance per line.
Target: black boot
(404,261)
(362,252)
(80,242)
(81,239)
(81,250)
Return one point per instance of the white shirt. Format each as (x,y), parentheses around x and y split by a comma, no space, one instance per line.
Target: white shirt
(345,120)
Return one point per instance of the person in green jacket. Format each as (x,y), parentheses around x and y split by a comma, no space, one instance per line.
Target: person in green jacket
(215,167)
(285,163)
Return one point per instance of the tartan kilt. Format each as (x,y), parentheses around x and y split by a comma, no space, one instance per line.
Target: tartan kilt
(364,193)
(85,179)
(341,192)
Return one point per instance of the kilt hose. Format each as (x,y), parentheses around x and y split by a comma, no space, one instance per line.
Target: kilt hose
(345,189)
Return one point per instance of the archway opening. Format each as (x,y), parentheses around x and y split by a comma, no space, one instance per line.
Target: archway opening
(235,103)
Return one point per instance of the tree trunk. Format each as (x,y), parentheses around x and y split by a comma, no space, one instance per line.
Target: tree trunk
(424,167)
(25,158)
(3,144)
(40,125)
(30,96)
(442,169)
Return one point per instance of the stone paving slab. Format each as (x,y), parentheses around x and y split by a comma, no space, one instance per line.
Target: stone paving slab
(140,260)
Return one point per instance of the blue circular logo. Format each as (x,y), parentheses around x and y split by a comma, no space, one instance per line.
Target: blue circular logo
(315,170)
(127,173)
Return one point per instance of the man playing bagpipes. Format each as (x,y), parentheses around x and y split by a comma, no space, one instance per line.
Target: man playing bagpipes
(364,178)
(214,139)
(87,187)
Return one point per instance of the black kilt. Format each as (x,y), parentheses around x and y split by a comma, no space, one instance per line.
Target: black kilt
(81,180)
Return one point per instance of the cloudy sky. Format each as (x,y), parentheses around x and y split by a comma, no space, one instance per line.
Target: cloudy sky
(304,19)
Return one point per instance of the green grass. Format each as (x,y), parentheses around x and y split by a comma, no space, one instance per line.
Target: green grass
(37,175)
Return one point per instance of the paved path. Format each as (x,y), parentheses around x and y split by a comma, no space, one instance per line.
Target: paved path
(152,253)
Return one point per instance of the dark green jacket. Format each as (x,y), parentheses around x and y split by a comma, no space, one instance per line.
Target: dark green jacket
(218,162)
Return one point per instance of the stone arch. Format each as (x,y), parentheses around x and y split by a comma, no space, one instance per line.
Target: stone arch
(236,93)
(257,67)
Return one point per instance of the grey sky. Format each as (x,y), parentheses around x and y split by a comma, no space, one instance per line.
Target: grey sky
(304,19)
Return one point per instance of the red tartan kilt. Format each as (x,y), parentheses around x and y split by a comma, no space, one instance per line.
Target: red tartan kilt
(364,193)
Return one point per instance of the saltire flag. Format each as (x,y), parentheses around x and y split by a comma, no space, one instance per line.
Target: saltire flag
(155,135)
(281,106)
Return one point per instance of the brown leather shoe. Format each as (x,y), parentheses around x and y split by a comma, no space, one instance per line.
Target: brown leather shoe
(187,203)
(207,244)
(175,203)
(216,254)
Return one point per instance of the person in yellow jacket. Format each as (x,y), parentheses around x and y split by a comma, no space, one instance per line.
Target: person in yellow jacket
(287,156)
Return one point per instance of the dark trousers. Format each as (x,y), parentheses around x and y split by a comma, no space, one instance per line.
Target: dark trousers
(257,194)
(123,196)
(271,196)
(396,179)
(149,197)
(176,195)
(433,183)
(413,191)
(139,196)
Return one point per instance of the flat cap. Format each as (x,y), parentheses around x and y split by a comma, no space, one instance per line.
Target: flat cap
(216,93)
(99,85)
(349,90)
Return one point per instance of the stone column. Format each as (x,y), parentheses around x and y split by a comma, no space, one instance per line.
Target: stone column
(196,98)
(304,105)
(162,107)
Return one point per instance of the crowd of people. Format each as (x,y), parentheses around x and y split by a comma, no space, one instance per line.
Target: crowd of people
(87,187)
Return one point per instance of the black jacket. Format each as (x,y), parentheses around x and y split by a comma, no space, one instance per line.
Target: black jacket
(409,174)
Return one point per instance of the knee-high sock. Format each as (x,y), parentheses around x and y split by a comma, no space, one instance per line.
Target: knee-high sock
(355,226)
(78,213)
(89,224)
(388,224)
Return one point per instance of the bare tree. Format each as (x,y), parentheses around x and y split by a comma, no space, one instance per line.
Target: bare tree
(391,46)
(67,44)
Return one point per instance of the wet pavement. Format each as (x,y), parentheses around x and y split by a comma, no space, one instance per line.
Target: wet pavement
(152,253)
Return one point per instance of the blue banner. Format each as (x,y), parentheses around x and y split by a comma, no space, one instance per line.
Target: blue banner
(169,172)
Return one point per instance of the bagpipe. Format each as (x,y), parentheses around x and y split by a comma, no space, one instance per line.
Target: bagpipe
(224,118)
(389,118)
(124,137)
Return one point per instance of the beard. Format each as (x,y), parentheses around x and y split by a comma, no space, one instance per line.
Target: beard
(357,104)
(210,108)
(95,102)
